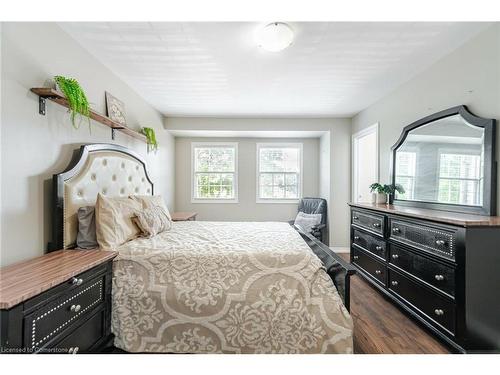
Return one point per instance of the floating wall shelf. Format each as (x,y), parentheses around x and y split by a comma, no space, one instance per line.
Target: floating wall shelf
(55,96)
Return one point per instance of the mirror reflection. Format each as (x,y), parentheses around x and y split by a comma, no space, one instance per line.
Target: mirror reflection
(442,162)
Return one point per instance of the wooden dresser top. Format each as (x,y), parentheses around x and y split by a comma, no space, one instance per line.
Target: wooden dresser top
(454,218)
(21,281)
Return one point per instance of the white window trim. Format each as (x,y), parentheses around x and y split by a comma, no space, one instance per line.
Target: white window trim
(217,200)
(354,153)
(300,146)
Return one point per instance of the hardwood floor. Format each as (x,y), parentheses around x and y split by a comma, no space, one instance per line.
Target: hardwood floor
(381,327)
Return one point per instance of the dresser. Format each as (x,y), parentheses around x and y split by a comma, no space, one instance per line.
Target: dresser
(442,268)
(57,303)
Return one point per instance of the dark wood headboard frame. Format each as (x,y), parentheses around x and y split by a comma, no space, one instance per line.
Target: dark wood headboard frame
(77,163)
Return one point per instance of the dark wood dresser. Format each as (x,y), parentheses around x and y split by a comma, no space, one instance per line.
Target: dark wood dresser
(443,268)
(57,303)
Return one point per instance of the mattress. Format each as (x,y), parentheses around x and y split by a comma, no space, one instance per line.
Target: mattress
(223,287)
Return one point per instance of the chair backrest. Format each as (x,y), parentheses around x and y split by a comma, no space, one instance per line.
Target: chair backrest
(314,206)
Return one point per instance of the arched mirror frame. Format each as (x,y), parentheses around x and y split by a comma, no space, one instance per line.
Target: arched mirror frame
(490,164)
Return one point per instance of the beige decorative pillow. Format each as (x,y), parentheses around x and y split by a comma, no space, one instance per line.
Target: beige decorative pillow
(114,224)
(152,221)
(150,201)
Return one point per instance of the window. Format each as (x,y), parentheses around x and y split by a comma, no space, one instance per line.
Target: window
(214,177)
(365,163)
(405,174)
(459,179)
(279,176)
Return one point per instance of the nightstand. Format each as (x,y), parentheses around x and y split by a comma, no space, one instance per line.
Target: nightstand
(184,216)
(57,303)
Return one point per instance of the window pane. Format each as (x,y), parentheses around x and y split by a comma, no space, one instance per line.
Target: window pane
(214,159)
(291,191)
(266,179)
(279,159)
(266,192)
(291,179)
(278,191)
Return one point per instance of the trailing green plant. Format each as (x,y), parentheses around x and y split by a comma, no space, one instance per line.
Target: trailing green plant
(77,100)
(386,189)
(151,138)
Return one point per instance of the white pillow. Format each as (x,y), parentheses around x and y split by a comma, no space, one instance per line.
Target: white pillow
(307,221)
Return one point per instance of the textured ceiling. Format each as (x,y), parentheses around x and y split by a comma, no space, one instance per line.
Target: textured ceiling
(216,69)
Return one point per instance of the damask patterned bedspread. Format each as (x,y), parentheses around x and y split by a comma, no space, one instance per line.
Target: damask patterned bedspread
(219,287)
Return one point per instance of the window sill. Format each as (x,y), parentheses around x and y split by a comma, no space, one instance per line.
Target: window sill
(279,201)
(210,201)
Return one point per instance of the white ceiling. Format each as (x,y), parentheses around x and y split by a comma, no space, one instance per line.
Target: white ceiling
(215,68)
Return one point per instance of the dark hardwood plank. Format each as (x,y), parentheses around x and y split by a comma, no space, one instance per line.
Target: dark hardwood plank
(381,327)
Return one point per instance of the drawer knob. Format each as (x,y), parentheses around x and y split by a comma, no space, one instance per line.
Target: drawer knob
(355,218)
(439,277)
(355,257)
(440,242)
(376,225)
(75,308)
(356,238)
(70,351)
(76,350)
(378,248)
(76,281)
(439,312)
(395,256)
(395,230)
(378,272)
(394,283)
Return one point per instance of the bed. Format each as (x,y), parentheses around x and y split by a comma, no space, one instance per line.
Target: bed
(209,287)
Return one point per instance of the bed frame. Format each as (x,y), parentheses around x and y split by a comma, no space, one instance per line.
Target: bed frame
(116,170)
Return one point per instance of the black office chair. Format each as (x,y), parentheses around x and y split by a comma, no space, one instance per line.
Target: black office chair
(316,206)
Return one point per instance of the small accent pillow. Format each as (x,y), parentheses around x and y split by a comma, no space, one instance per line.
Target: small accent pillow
(150,201)
(307,221)
(152,221)
(86,237)
(114,224)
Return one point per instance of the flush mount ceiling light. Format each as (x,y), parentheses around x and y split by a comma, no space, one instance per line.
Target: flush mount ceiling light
(274,37)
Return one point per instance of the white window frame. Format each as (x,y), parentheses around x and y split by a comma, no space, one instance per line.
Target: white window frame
(354,154)
(194,199)
(300,146)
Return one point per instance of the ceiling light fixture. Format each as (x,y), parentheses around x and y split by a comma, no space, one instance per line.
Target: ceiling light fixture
(274,37)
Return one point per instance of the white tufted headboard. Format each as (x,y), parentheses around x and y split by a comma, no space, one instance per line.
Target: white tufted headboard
(111,170)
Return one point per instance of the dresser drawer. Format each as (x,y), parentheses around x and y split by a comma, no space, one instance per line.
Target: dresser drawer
(433,239)
(85,336)
(369,221)
(434,273)
(374,245)
(368,264)
(46,323)
(438,309)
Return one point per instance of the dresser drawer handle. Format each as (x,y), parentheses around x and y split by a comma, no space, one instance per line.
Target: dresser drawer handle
(376,225)
(378,272)
(395,230)
(76,281)
(395,256)
(70,351)
(439,277)
(440,243)
(378,248)
(75,308)
(355,218)
(356,238)
(355,257)
(439,312)
(394,283)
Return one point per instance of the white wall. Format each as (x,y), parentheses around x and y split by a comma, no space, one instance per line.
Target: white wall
(470,75)
(246,209)
(33,147)
(339,131)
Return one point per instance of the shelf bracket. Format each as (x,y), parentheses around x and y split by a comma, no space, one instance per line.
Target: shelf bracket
(42,105)
(113,134)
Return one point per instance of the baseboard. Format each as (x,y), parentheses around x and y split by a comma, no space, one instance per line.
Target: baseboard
(340,249)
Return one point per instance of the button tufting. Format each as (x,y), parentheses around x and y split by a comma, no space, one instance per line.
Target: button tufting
(104,191)
(113,177)
(104,162)
(130,178)
(80,193)
(93,177)
(122,191)
(123,165)
(136,167)
(136,189)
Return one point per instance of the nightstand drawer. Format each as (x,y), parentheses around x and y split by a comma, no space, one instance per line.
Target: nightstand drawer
(85,336)
(370,243)
(368,221)
(49,321)
(430,271)
(368,264)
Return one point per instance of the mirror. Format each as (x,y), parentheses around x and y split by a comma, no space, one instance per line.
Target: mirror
(446,159)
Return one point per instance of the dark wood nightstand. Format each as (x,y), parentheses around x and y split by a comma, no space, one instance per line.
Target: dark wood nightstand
(184,216)
(57,303)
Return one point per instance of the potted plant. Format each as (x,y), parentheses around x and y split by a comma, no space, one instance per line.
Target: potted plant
(151,139)
(381,192)
(77,100)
